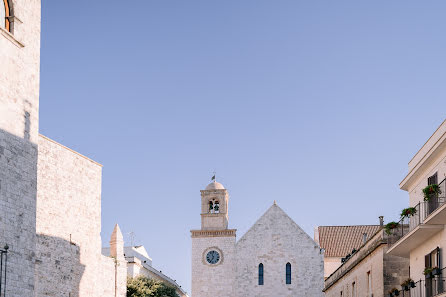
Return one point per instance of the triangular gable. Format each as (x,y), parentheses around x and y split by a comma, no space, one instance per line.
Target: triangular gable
(275,210)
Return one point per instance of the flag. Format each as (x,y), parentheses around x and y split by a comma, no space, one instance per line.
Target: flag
(213,177)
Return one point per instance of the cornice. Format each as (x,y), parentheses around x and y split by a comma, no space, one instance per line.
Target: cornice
(213,233)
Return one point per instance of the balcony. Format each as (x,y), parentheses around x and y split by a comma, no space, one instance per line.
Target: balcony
(429,287)
(429,218)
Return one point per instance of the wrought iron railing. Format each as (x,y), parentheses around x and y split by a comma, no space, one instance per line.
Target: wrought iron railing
(3,262)
(431,286)
(422,211)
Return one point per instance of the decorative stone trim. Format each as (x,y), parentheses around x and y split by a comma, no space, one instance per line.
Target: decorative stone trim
(212,248)
(213,233)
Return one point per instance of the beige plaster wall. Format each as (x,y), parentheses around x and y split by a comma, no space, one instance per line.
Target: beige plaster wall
(435,164)
(417,254)
(330,265)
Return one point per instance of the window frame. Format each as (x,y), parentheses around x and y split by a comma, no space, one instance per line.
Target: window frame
(261,275)
(7,22)
(288,273)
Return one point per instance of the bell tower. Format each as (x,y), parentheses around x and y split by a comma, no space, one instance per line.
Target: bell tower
(214,207)
(213,246)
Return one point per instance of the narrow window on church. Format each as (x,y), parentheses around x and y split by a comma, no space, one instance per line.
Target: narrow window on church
(4,15)
(288,273)
(260,274)
(211,207)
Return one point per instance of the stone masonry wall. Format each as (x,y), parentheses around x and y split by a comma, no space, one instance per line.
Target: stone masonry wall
(386,271)
(68,250)
(372,264)
(19,104)
(274,240)
(209,280)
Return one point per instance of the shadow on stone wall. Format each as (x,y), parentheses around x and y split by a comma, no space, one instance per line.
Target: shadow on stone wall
(38,265)
(58,270)
(18,192)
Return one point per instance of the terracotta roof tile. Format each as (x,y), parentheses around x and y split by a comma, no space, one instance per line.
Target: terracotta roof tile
(338,241)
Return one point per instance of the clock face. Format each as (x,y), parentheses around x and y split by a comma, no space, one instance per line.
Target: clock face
(213,257)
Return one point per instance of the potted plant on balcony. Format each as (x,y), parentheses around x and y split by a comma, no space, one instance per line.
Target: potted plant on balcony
(390,226)
(436,271)
(431,190)
(408,212)
(407,284)
(428,272)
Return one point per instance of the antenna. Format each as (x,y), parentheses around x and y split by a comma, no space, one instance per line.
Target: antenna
(132,238)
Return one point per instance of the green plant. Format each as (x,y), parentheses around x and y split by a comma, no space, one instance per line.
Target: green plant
(142,286)
(427,271)
(408,212)
(407,282)
(390,226)
(430,190)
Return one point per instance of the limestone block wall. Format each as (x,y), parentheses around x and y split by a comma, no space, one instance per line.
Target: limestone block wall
(396,271)
(372,264)
(274,240)
(68,225)
(386,272)
(19,103)
(209,280)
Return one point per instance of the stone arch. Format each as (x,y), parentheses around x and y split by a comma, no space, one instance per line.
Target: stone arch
(214,205)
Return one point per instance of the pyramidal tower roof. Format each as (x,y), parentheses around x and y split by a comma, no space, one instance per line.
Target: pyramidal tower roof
(117,234)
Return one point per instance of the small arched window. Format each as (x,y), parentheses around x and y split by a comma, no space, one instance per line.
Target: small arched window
(216,207)
(288,273)
(260,274)
(5,14)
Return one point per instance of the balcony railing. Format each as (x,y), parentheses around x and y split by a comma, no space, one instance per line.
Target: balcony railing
(429,287)
(422,211)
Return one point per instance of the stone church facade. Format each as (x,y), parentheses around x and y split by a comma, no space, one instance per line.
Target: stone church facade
(274,258)
(50,195)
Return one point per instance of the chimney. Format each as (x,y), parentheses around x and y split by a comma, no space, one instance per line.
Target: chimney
(364,238)
(381,221)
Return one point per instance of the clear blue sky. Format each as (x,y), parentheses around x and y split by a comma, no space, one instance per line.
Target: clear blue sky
(316,104)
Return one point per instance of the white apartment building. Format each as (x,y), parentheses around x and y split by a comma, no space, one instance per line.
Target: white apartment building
(420,236)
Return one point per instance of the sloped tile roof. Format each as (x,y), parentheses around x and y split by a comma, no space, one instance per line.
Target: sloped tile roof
(338,241)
